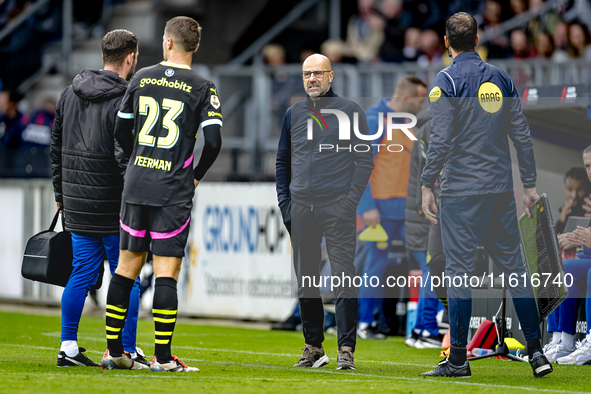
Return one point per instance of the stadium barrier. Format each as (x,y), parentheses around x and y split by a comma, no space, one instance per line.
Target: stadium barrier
(238,257)
(255,98)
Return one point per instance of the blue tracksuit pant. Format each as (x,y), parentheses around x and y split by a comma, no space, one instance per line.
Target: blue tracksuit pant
(89,253)
(564,318)
(491,221)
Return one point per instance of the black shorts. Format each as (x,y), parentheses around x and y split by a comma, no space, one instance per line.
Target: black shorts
(163,230)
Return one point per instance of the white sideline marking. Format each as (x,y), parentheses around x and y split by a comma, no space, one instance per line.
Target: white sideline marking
(57,334)
(425,380)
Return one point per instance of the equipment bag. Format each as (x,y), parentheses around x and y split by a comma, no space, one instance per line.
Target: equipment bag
(48,257)
(485,337)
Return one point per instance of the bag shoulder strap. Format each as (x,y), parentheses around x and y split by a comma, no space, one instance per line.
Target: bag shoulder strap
(54,221)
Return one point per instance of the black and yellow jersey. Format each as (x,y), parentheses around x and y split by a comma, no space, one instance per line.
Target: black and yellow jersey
(168,102)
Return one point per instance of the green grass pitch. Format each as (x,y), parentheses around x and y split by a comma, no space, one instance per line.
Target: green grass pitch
(246,360)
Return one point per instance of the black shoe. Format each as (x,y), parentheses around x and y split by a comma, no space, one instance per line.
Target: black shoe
(289,325)
(447,369)
(79,360)
(540,364)
(412,340)
(370,332)
(428,341)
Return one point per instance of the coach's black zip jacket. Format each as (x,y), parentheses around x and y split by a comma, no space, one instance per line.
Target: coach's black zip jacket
(309,171)
(87,178)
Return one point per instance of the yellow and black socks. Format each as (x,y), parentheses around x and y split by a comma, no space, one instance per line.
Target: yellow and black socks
(164,310)
(117,305)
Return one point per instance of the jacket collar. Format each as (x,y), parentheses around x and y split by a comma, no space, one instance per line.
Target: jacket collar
(465,56)
(326,98)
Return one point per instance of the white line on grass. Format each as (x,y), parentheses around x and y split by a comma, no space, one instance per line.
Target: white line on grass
(57,334)
(426,380)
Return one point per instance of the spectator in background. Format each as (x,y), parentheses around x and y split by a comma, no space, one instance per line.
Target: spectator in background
(365,32)
(333,50)
(38,131)
(521,46)
(429,49)
(273,54)
(12,125)
(562,321)
(411,44)
(283,85)
(12,122)
(518,6)
(498,48)
(545,45)
(545,22)
(397,20)
(384,199)
(576,187)
(578,41)
(560,43)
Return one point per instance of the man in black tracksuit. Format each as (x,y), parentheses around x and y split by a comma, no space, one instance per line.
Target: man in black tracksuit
(321,176)
(88,181)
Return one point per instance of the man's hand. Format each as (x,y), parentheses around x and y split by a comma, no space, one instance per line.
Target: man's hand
(371,217)
(583,236)
(429,202)
(59,206)
(566,210)
(567,241)
(529,197)
(195,182)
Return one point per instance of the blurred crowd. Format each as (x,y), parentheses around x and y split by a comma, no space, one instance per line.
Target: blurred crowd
(25,137)
(21,50)
(395,31)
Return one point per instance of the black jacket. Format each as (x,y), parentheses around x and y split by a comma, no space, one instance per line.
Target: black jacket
(87,178)
(417,226)
(313,176)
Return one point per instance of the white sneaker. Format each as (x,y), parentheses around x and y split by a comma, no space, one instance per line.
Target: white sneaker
(175,365)
(560,351)
(412,339)
(579,356)
(549,348)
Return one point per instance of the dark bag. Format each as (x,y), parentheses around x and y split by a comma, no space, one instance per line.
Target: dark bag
(48,257)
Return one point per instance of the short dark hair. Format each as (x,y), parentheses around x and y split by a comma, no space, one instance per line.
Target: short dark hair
(409,83)
(186,30)
(117,44)
(576,173)
(461,30)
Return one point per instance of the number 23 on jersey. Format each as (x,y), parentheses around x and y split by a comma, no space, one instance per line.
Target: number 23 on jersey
(150,108)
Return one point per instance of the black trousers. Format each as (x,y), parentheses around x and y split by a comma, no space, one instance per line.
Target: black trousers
(337,223)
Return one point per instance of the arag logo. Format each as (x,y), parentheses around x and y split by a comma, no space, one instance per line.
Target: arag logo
(490,97)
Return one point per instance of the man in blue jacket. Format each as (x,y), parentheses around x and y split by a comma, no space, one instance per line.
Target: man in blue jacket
(323,166)
(474,108)
(87,167)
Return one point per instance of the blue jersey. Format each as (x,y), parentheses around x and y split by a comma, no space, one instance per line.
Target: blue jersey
(474,108)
